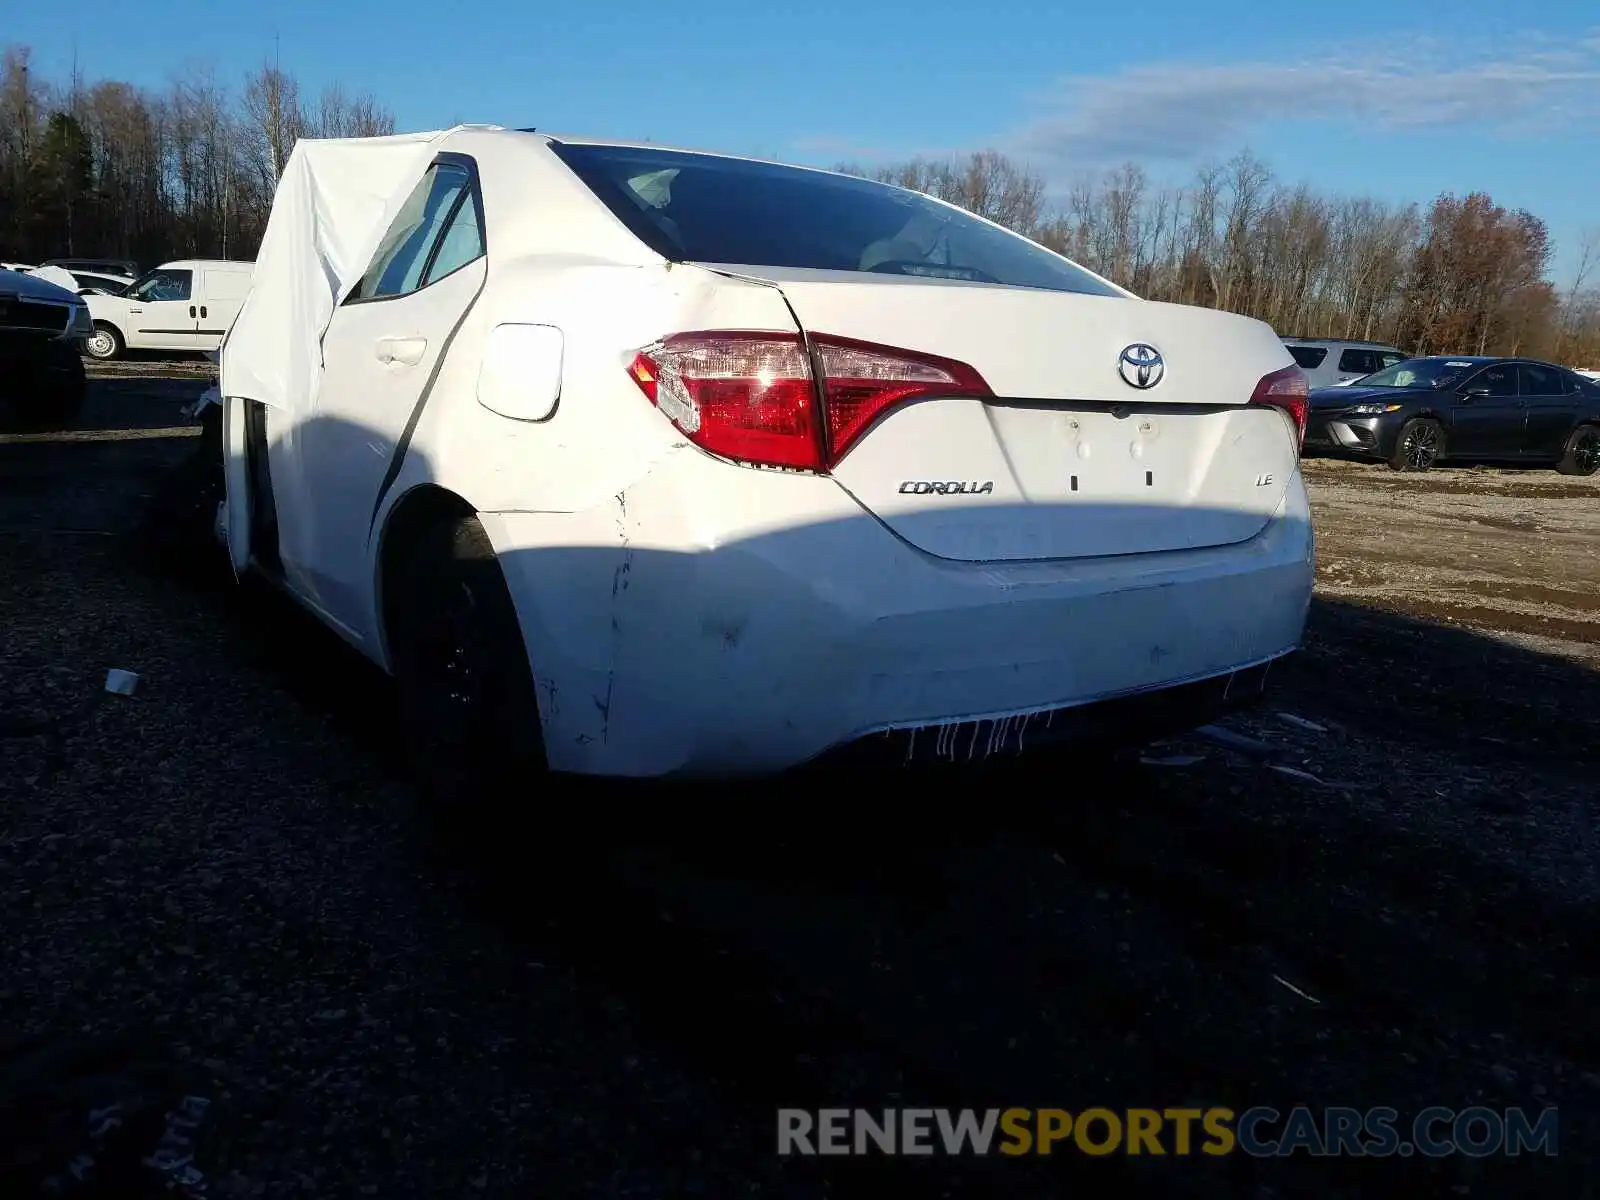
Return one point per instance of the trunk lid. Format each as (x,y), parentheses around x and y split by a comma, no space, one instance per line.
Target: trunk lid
(1071,460)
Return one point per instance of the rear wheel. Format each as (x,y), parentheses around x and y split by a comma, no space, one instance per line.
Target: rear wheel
(1581,456)
(106,343)
(1419,445)
(467,697)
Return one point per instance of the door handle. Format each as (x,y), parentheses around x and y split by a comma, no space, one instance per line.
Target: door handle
(191,310)
(406,351)
(202,310)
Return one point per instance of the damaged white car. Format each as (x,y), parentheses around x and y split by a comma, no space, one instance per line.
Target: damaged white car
(633,461)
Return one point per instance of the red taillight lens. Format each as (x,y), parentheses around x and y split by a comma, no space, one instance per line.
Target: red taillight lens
(1289,390)
(746,396)
(752,396)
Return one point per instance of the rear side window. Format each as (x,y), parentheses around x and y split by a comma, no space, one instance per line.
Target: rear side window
(709,209)
(461,244)
(1364,362)
(1542,381)
(1309,357)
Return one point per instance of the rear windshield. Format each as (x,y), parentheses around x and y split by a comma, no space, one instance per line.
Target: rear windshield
(704,208)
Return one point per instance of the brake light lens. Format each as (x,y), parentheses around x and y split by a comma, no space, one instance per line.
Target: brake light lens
(1290,391)
(753,397)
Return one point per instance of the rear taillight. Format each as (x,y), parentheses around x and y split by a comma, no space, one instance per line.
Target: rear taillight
(1289,390)
(754,397)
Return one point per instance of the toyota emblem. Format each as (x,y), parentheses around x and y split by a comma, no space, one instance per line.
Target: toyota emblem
(1141,366)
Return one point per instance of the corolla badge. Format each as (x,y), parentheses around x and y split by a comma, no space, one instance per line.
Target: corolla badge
(1141,366)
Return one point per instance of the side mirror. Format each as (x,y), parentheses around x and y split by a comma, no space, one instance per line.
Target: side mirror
(1478,389)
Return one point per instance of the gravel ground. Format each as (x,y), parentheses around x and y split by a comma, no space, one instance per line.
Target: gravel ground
(227,861)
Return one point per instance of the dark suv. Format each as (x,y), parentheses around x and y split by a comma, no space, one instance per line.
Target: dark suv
(42,333)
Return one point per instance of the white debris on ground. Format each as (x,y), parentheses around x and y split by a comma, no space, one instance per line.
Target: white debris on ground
(120,682)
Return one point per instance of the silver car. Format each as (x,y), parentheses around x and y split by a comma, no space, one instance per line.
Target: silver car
(1328,362)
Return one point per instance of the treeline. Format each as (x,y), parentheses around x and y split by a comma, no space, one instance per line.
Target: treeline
(108,169)
(1461,276)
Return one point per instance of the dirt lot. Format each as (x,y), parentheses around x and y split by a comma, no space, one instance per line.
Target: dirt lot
(1395,907)
(1513,554)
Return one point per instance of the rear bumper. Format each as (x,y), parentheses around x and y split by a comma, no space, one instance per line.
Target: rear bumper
(33,368)
(803,625)
(22,353)
(1116,723)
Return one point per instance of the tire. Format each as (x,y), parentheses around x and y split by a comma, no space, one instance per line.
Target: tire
(1418,446)
(1581,455)
(106,344)
(469,708)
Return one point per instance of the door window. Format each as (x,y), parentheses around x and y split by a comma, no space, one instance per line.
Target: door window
(163,285)
(402,256)
(1498,381)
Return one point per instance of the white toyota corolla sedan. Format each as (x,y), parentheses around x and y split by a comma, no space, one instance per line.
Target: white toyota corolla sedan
(636,461)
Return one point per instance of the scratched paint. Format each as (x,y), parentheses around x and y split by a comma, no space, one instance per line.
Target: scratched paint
(971,741)
(619,587)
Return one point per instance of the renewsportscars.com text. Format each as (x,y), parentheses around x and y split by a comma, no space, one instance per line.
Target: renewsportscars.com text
(1260,1132)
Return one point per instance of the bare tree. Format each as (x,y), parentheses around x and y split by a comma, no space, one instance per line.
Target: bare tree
(274,121)
(1588,252)
(337,114)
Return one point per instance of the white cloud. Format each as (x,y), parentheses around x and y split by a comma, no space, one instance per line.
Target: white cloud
(1179,111)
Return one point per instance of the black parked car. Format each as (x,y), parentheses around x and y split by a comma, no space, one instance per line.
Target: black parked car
(1424,410)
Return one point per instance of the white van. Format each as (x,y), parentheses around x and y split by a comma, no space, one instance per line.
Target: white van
(183,305)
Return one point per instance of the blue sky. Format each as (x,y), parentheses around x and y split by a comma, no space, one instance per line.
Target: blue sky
(1401,100)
